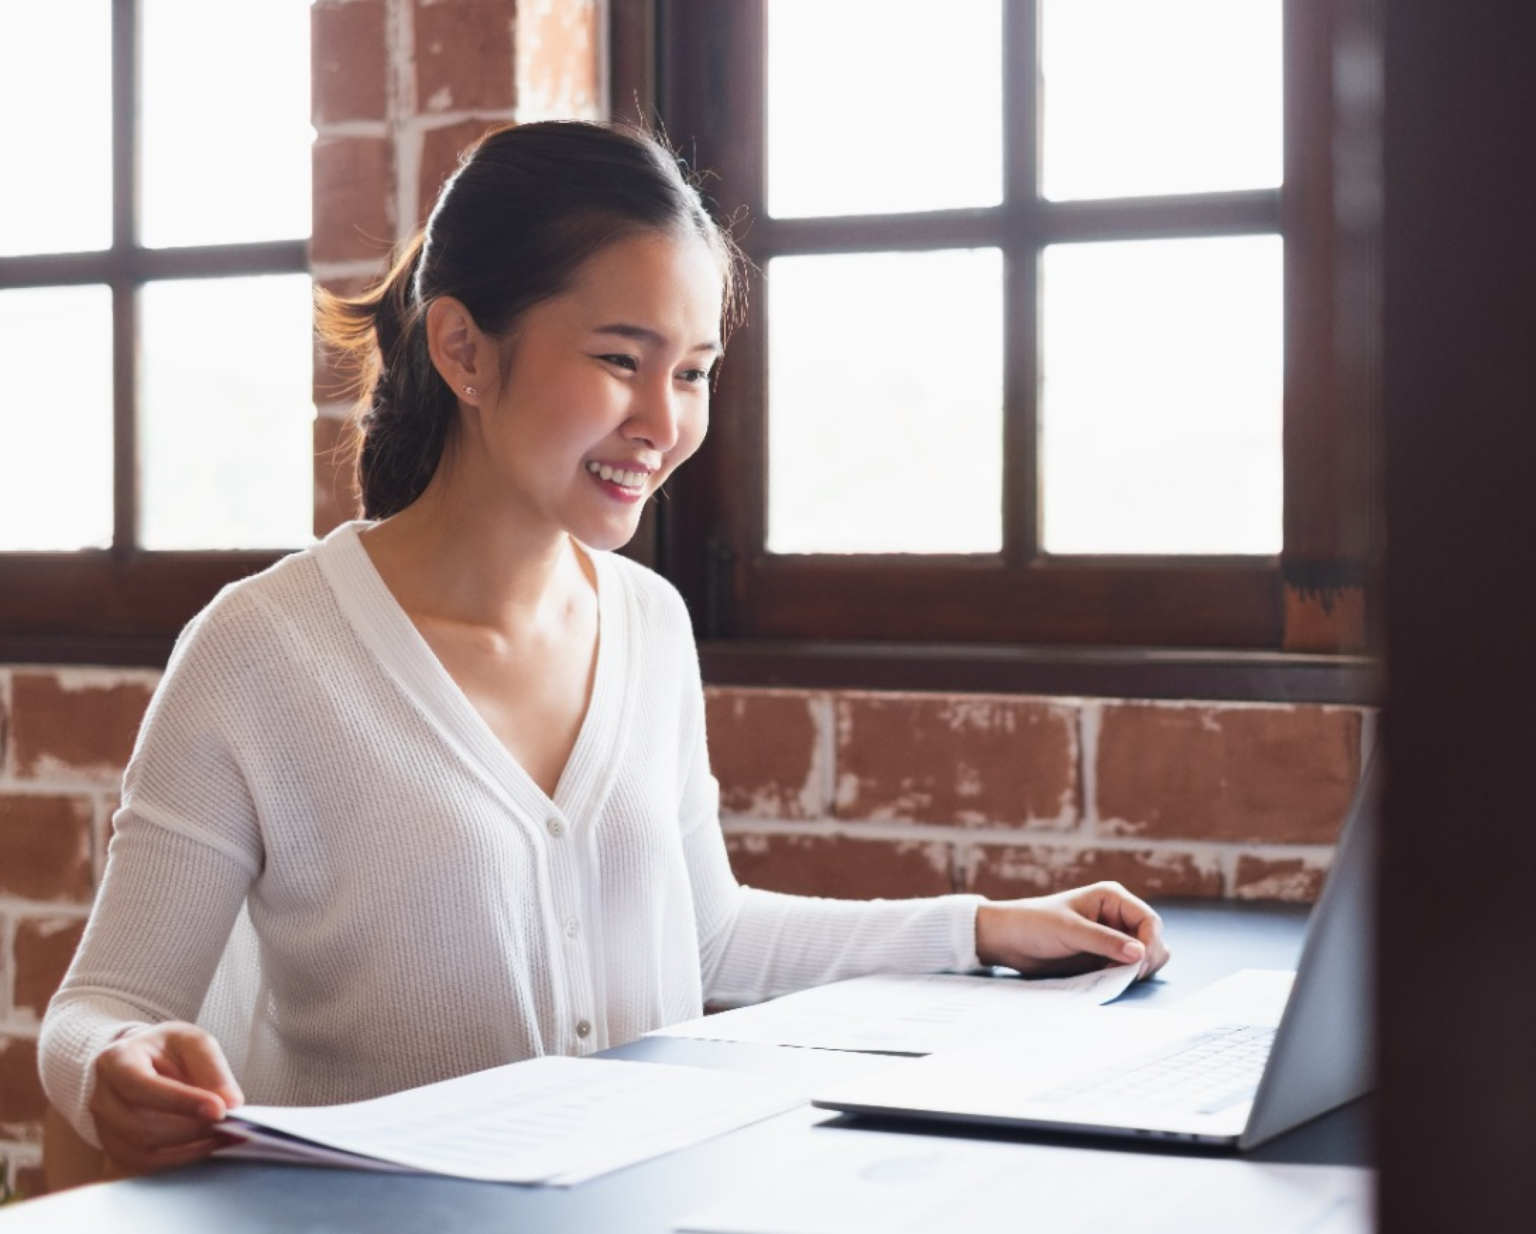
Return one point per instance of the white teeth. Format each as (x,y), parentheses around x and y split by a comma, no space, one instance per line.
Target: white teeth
(616,475)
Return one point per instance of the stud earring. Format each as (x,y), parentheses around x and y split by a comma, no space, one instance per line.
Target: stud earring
(469,390)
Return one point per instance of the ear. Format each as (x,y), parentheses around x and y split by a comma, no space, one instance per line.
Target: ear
(458,348)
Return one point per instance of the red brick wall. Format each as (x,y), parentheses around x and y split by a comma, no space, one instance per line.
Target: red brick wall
(900,795)
(65,735)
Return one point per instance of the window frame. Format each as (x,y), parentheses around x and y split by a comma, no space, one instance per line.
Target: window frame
(1223,627)
(124,604)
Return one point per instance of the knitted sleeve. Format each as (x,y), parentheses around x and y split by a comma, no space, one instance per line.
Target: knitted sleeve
(183,854)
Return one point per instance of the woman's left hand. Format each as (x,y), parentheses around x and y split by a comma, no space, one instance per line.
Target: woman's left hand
(1071,932)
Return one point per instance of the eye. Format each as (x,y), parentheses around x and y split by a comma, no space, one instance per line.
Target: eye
(694,375)
(628,363)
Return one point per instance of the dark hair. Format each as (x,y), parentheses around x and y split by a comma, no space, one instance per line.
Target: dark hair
(526,207)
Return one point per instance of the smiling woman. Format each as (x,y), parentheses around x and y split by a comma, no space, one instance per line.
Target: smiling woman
(557,417)
(456,749)
(494,248)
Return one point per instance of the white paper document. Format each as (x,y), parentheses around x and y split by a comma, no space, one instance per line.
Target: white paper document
(904,1014)
(1250,996)
(859,1182)
(547,1120)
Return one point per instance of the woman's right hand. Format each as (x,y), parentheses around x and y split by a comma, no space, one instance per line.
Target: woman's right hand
(159,1091)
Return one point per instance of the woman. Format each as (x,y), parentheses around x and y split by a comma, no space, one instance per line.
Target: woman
(451,760)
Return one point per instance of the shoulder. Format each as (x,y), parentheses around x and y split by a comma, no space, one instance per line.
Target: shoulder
(653,599)
(246,617)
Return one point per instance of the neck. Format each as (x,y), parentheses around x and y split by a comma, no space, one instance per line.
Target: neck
(445,557)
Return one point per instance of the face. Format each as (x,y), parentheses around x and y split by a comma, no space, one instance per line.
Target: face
(606,392)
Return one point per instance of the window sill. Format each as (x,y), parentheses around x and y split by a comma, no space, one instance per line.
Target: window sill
(1108,672)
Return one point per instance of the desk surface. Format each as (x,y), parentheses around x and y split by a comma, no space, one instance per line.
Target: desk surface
(1209,942)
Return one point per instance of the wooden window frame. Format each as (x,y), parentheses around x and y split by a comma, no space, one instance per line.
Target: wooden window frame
(125,604)
(1283,627)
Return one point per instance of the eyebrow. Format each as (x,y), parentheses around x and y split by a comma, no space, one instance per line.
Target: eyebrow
(644,334)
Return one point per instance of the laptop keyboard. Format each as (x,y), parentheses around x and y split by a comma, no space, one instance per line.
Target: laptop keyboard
(1207,1073)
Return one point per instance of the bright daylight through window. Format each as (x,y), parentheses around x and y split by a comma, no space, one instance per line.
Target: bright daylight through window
(1158,360)
(220,389)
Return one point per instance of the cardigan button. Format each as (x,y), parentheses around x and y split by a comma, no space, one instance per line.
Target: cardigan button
(583,1029)
(556,827)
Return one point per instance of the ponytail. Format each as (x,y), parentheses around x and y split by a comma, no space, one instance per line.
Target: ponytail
(406,410)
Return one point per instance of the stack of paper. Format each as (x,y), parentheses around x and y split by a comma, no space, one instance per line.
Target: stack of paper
(904,1014)
(551,1120)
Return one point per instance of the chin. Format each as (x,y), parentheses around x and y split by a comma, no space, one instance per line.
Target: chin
(607,539)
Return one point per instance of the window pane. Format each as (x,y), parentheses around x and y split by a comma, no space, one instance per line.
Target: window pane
(226,130)
(883,106)
(885,384)
(56,139)
(1161,382)
(226,415)
(56,435)
(1182,96)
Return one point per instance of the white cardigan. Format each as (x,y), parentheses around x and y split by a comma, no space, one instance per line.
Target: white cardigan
(421,909)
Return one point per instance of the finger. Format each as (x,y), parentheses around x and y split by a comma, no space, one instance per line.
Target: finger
(204,1066)
(126,1132)
(1116,906)
(1150,931)
(127,1158)
(1129,914)
(129,1073)
(147,1129)
(1093,938)
(1157,955)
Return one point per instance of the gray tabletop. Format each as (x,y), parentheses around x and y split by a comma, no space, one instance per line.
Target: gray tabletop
(1209,941)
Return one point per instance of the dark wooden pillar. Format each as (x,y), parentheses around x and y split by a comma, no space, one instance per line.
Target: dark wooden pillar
(1457,1130)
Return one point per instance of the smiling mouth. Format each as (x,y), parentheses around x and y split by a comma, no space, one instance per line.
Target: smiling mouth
(617,475)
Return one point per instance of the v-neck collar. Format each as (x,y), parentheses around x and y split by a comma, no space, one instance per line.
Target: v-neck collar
(406,656)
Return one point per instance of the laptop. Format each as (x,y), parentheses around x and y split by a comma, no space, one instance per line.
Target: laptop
(1217,1076)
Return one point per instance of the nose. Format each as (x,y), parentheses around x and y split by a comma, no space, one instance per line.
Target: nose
(656,418)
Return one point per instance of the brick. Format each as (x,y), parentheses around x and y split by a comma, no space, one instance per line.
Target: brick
(1205,772)
(969,760)
(336,495)
(42,951)
(354,199)
(765,748)
(1010,871)
(841,867)
(464,57)
(31,1182)
(1334,623)
(22,1103)
(75,724)
(441,150)
(1295,879)
(349,61)
(45,847)
(557,61)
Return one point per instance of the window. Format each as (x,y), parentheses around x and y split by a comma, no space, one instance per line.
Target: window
(155,309)
(1042,349)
